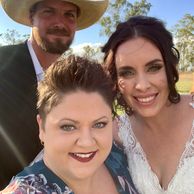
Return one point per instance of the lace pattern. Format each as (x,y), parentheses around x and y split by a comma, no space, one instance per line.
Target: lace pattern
(143,177)
(128,138)
(189,148)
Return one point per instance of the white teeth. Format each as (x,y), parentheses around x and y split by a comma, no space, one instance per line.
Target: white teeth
(83,155)
(147,99)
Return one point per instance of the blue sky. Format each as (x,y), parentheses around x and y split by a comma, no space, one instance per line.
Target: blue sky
(170,11)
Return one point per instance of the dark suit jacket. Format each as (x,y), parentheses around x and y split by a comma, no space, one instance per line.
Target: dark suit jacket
(19,142)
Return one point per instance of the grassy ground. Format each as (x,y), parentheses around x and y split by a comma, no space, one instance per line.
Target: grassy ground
(186,82)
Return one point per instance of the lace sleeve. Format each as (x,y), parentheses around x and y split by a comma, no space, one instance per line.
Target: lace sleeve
(125,133)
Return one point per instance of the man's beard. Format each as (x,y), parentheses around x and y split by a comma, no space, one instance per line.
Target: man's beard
(57,47)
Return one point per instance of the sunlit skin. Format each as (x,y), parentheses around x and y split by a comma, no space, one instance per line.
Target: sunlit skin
(53,27)
(77,136)
(51,15)
(158,124)
(141,76)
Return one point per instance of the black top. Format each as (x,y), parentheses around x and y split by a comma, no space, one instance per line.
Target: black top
(19,142)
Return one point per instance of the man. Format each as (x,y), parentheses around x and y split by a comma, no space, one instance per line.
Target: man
(53,23)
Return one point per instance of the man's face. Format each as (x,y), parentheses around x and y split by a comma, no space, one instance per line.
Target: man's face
(54,23)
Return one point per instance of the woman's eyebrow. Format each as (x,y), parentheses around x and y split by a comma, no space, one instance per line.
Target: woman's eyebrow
(153,61)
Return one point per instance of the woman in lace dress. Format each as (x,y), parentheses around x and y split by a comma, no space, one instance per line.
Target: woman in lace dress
(75,126)
(157,128)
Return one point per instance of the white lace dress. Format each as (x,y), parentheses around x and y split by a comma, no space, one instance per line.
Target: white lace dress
(143,177)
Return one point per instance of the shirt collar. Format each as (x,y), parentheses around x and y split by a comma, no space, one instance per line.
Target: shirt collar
(38,68)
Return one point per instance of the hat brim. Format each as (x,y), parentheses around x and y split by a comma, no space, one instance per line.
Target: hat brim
(90,10)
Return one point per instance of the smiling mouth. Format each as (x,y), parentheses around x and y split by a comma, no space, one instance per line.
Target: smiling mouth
(83,157)
(146,100)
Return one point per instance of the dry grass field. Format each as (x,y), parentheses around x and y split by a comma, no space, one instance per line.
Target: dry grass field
(186,82)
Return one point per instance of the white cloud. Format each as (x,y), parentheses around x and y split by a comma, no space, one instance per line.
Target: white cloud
(78,49)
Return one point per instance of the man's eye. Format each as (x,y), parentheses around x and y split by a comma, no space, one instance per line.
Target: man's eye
(100,125)
(71,15)
(47,11)
(68,127)
(155,67)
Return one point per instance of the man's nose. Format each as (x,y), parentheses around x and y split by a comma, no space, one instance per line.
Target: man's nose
(59,21)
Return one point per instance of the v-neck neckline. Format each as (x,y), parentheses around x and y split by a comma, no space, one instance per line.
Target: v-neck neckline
(184,155)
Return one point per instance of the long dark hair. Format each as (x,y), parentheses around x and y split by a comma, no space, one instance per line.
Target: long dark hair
(154,30)
(69,75)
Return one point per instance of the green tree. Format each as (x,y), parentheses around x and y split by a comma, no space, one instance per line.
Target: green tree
(67,52)
(119,11)
(89,51)
(184,38)
(11,37)
(93,52)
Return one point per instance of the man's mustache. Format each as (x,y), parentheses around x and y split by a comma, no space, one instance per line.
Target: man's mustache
(58,32)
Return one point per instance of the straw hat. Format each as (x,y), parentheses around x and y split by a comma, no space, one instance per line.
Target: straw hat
(90,10)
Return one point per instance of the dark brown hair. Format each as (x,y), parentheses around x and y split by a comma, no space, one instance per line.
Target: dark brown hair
(70,75)
(153,30)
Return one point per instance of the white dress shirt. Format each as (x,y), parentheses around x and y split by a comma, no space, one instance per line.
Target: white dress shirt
(38,68)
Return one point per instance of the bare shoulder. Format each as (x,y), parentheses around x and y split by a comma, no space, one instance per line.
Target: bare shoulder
(185,113)
(187,101)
